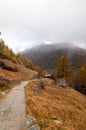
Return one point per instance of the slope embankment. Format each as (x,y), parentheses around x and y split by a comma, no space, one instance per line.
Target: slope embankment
(56,108)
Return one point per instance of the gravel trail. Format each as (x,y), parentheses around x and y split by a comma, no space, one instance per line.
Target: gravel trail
(13,109)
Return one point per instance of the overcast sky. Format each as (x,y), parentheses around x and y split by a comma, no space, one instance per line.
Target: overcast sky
(25,23)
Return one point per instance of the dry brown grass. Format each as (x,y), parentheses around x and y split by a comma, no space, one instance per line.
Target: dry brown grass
(1,96)
(54,103)
(4,87)
(23,72)
(7,77)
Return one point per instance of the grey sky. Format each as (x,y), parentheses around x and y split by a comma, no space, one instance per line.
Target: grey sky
(25,23)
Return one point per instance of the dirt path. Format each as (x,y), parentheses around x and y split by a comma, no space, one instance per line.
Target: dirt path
(13,108)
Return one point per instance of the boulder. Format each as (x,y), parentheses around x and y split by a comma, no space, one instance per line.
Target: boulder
(61,82)
(30,121)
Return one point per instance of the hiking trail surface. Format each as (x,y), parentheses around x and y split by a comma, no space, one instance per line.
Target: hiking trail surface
(13,109)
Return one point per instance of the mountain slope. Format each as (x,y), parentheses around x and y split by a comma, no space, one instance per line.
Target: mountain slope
(9,73)
(56,108)
(7,53)
(13,68)
(47,56)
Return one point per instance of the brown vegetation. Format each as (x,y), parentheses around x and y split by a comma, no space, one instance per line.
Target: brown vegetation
(10,78)
(1,96)
(4,88)
(6,53)
(21,73)
(80,81)
(63,69)
(55,103)
(13,68)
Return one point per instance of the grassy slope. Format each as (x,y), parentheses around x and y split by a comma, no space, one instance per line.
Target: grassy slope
(23,72)
(11,78)
(66,105)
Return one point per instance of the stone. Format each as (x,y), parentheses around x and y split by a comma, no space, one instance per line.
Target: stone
(57,122)
(43,83)
(35,127)
(61,82)
(30,121)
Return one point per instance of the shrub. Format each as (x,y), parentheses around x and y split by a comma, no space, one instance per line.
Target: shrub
(2,65)
(4,86)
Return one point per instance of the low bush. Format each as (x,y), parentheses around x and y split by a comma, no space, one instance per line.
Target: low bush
(4,86)
(10,68)
(3,66)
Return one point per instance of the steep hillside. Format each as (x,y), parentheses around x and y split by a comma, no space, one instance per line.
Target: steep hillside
(15,71)
(13,68)
(7,53)
(56,108)
(12,74)
(47,56)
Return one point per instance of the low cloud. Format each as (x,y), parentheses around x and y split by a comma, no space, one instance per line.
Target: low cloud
(29,22)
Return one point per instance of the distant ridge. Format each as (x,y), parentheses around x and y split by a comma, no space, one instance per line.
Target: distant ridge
(46,56)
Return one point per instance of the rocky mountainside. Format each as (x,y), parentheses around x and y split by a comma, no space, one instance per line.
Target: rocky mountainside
(47,55)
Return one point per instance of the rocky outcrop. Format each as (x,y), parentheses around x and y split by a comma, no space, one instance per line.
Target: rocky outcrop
(31,124)
(61,82)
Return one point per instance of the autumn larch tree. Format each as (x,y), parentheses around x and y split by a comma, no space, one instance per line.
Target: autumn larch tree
(63,69)
(80,83)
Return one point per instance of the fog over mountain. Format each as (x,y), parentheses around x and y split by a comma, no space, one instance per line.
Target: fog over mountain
(28,23)
(49,47)
(47,56)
